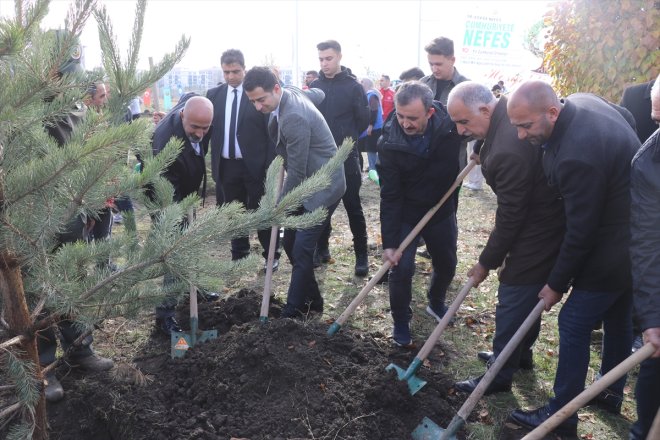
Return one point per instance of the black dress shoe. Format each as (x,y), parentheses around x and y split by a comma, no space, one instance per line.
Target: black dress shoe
(168,325)
(485,355)
(526,361)
(207,296)
(316,305)
(608,401)
(468,386)
(532,419)
(276,265)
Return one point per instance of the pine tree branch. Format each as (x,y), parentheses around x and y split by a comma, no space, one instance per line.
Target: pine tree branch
(136,38)
(18,232)
(120,273)
(13,341)
(10,409)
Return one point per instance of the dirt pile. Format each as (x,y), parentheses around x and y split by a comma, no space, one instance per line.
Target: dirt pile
(281,380)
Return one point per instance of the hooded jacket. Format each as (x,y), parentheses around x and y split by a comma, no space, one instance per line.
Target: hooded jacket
(345,107)
(412,179)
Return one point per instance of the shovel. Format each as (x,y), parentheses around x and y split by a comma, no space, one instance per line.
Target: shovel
(275,230)
(336,326)
(590,392)
(415,383)
(428,430)
(182,341)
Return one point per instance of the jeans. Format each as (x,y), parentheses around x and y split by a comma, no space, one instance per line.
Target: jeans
(514,304)
(299,245)
(440,241)
(647,394)
(373,158)
(577,319)
(353,208)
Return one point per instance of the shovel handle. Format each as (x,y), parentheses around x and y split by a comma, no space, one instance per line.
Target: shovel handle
(513,343)
(404,244)
(265,300)
(193,289)
(444,322)
(591,391)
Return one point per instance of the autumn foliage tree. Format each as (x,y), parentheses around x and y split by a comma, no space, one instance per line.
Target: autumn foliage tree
(602,46)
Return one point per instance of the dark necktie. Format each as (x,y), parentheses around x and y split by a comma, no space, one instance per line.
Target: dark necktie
(232,127)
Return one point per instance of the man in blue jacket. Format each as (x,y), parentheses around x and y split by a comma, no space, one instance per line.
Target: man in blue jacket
(588,144)
(418,163)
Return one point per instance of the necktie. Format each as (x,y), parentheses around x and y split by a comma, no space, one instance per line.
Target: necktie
(232,127)
(197,148)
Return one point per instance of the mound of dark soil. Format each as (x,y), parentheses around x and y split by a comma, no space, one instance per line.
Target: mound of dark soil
(285,379)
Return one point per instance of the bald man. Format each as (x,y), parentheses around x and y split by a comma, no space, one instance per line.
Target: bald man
(587,145)
(189,121)
(192,125)
(529,223)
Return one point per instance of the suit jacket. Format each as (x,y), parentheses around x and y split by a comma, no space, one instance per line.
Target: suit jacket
(188,171)
(251,132)
(637,99)
(529,222)
(304,140)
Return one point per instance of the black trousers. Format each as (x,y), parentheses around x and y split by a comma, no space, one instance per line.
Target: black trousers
(353,206)
(238,185)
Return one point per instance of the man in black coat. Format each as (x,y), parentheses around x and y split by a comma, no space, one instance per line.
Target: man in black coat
(529,223)
(645,257)
(418,163)
(190,121)
(587,147)
(346,112)
(240,148)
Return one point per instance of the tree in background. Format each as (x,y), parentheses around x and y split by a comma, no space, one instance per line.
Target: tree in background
(45,186)
(602,46)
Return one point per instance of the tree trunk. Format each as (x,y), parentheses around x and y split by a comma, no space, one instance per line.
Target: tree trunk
(18,317)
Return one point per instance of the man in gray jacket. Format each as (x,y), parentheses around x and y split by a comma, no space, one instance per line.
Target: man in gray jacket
(303,139)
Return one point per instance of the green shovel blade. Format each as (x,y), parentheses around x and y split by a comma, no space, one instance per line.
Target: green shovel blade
(414,383)
(428,430)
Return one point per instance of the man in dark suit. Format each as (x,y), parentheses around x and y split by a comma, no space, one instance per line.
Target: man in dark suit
(590,168)
(529,223)
(304,140)
(637,99)
(190,123)
(240,148)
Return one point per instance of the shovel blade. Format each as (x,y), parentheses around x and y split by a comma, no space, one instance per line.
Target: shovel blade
(180,343)
(428,430)
(414,383)
(207,335)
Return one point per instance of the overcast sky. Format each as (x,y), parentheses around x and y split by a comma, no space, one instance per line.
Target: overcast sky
(377,36)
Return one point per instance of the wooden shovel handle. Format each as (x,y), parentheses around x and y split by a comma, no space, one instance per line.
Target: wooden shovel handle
(486,380)
(193,289)
(444,322)
(265,299)
(590,392)
(404,244)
